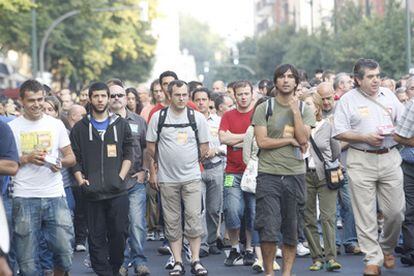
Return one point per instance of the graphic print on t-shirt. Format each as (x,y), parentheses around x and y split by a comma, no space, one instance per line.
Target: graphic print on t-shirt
(35,140)
(182,137)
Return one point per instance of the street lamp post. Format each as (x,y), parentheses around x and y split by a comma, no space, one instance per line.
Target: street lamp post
(34,41)
(62,18)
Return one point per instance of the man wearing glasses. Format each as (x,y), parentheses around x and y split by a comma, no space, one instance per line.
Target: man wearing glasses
(136,183)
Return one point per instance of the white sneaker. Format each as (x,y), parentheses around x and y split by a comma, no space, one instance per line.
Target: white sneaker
(276,266)
(302,250)
(151,236)
(279,253)
(80,248)
(258,266)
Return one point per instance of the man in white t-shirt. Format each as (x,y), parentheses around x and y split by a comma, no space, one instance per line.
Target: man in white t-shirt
(39,203)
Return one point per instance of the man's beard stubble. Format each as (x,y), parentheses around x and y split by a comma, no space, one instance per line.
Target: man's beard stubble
(100,111)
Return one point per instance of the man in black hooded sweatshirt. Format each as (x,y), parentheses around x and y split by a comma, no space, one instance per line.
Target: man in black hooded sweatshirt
(102,144)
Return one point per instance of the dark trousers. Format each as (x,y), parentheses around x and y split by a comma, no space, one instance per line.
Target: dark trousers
(408,224)
(108,229)
(79,221)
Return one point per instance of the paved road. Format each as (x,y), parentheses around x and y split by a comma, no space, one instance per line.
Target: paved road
(352,265)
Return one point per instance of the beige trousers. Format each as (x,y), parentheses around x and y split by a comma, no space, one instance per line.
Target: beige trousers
(171,196)
(375,177)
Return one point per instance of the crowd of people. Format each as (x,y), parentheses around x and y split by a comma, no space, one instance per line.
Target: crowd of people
(264,171)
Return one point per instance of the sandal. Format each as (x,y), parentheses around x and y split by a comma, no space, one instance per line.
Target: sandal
(201,271)
(177,270)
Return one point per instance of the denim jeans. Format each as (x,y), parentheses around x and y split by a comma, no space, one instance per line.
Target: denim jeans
(344,208)
(45,255)
(238,204)
(11,257)
(70,199)
(50,216)
(134,250)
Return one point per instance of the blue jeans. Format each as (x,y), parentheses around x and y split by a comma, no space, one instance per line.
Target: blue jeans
(238,204)
(52,217)
(11,257)
(344,207)
(134,251)
(45,255)
(70,199)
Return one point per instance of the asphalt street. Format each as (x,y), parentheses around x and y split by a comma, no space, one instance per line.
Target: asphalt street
(351,265)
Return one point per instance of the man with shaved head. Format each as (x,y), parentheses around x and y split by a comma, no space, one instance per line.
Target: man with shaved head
(75,114)
(350,242)
(326,91)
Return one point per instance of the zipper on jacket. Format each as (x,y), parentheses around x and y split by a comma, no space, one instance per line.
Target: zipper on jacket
(102,163)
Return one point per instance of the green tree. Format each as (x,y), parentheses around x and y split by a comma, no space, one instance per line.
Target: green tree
(15,6)
(200,41)
(355,36)
(89,45)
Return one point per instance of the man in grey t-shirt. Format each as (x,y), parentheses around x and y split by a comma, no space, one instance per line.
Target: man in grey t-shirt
(176,172)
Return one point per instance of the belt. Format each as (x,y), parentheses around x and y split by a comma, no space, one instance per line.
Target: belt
(311,169)
(211,165)
(378,151)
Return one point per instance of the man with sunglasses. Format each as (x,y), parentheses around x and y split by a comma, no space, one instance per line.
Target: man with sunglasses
(102,143)
(136,183)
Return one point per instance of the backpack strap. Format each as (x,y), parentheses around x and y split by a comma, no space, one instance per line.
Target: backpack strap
(161,122)
(269,108)
(193,124)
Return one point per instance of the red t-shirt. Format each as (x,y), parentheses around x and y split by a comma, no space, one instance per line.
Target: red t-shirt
(236,123)
(159,106)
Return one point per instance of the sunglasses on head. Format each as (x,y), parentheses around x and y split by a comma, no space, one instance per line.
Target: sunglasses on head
(117,95)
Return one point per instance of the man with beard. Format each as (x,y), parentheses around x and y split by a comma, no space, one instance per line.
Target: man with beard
(102,144)
(281,136)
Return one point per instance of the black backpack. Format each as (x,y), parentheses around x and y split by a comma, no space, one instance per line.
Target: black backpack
(191,122)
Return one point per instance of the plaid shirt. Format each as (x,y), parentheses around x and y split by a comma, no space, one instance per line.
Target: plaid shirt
(405,128)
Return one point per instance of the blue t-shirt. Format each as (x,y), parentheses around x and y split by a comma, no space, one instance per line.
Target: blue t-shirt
(100,126)
(8,151)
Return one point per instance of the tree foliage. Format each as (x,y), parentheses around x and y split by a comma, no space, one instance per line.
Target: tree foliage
(355,35)
(200,41)
(88,46)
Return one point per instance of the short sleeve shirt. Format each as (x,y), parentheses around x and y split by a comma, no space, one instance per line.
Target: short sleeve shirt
(177,147)
(50,135)
(405,126)
(237,123)
(355,112)
(284,160)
